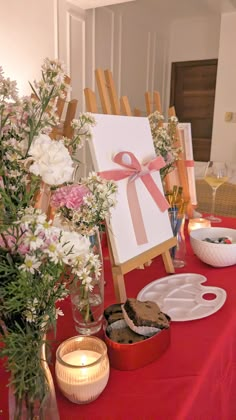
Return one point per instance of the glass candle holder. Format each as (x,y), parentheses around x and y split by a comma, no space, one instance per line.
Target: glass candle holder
(198,223)
(82,368)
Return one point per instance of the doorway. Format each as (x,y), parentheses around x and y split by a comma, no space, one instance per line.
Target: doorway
(192,94)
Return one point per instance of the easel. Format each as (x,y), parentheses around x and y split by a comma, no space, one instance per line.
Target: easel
(110,105)
(182,169)
(155,105)
(60,104)
(108,96)
(119,270)
(63,129)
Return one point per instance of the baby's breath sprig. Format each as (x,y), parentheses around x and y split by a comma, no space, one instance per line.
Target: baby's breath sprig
(164,140)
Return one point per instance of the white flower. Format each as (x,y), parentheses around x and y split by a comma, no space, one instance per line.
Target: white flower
(75,243)
(31,312)
(55,252)
(31,264)
(58,313)
(33,240)
(52,160)
(29,315)
(86,279)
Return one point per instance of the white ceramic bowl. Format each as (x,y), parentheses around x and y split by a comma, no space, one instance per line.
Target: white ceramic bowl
(217,255)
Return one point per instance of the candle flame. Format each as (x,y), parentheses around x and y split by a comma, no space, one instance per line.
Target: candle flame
(83,360)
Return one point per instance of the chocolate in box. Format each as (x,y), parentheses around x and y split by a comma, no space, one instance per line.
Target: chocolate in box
(135,355)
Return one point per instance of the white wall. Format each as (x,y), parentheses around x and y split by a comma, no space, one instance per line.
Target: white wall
(195,39)
(142,47)
(138,50)
(134,48)
(224,134)
(26,38)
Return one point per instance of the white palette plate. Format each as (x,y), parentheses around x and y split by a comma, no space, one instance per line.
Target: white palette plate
(181,296)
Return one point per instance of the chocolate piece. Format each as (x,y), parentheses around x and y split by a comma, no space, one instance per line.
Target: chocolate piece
(113,313)
(146,314)
(125,336)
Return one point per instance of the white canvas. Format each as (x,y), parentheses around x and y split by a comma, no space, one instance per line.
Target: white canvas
(186,137)
(113,134)
(186,143)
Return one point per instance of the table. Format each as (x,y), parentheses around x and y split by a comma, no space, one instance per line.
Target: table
(195,379)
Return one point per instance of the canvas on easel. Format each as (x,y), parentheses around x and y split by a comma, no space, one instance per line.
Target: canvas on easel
(129,138)
(185,137)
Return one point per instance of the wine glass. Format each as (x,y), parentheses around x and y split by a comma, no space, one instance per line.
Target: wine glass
(216,174)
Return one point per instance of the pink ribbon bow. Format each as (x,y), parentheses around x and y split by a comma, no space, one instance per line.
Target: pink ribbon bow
(135,170)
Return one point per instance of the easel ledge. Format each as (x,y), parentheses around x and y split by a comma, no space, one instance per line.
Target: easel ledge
(118,270)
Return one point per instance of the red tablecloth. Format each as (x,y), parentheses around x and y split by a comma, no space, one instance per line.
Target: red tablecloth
(196,377)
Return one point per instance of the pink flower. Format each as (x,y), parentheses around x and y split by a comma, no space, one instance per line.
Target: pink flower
(8,241)
(71,196)
(23,249)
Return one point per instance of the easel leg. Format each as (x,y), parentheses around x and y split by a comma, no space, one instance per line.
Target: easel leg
(168,263)
(119,286)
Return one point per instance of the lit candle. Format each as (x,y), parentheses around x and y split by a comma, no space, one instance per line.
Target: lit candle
(198,223)
(82,373)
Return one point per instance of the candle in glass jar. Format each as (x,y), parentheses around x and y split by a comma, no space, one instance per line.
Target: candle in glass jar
(198,223)
(81,358)
(82,374)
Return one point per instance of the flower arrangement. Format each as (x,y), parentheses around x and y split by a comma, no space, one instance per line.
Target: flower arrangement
(34,255)
(36,258)
(27,153)
(164,139)
(85,205)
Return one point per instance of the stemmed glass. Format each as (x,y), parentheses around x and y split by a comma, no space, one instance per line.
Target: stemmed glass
(216,174)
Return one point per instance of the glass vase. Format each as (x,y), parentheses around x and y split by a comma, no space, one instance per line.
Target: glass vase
(88,305)
(26,408)
(178,252)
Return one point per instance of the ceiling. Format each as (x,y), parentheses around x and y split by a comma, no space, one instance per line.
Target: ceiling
(91,4)
(181,9)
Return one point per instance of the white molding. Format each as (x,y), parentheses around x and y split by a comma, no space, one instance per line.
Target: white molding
(93,48)
(165,89)
(148,60)
(56,28)
(153,61)
(119,50)
(112,40)
(69,16)
(68,48)
(112,16)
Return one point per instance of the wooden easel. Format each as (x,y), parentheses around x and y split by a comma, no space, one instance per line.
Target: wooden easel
(62,101)
(108,96)
(119,270)
(155,105)
(64,127)
(90,100)
(182,172)
(180,163)
(110,105)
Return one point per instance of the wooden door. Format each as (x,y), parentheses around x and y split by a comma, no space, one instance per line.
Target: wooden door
(193,95)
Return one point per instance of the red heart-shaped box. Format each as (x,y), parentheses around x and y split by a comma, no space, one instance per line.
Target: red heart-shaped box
(136,355)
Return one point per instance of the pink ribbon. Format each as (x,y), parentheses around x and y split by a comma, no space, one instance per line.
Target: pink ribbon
(133,170)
